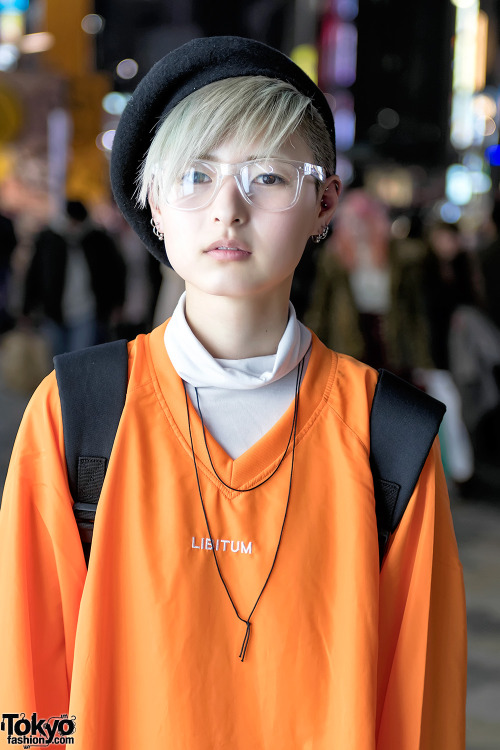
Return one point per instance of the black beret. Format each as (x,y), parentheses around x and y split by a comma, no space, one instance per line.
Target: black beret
(172,79)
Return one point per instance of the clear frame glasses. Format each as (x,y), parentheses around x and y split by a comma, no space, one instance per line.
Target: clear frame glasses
(270,184)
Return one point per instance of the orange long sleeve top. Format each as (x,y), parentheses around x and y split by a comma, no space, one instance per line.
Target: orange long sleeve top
(143,648)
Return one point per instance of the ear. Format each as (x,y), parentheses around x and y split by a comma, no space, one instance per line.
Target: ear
(156,214)
(328,200)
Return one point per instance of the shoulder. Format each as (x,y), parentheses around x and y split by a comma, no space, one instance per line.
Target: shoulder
(96,236)
(39,446)
(350,392)
(147,357)
(44,407)
(49,238)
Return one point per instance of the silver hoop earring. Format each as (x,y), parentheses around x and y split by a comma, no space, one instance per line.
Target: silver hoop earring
(156,231)
(317,238)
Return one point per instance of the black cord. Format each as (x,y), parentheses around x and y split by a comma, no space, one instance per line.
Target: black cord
(255,486)
(293,433)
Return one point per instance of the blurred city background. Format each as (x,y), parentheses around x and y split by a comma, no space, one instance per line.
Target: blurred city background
(408,279)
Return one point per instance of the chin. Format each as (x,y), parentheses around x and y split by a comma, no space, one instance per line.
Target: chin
(226,285)
(231,291)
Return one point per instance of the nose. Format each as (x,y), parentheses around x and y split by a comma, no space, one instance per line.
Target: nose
(229,206)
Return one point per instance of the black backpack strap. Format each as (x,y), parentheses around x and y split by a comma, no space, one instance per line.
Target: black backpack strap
(92,388)
(403,424)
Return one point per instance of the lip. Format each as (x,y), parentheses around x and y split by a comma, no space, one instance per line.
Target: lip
(226,249)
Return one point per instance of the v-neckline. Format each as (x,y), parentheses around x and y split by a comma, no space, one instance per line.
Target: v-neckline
(260,459)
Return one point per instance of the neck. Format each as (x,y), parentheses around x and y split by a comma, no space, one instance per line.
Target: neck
(237,328)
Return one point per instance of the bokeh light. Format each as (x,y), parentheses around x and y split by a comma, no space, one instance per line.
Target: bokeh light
(9,55)
(458,185)
(489,126)
(463,3)
(400,227)
(40,41)
(388,118)
(114,103)
(104,141)
(127,69)
(481,182)
(492,154)
(347,9)
(92,23)
(485,105)
(14,5)
(450,213)
(345,170)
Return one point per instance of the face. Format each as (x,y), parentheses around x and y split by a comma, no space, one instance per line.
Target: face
(446,242)
(233,249)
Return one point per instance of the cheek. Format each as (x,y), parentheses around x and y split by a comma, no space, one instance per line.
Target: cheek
(299,228)
(172,224)
(180,231)
(177,252)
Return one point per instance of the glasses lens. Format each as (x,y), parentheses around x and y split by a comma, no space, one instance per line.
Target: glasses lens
(194,187)
(270,183)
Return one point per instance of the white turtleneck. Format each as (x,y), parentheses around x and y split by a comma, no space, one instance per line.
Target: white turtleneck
(240,399)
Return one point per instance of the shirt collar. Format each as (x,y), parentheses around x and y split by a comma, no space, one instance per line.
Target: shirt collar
(195,365)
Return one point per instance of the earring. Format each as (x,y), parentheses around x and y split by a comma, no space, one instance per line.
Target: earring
(156,231)
(317,238)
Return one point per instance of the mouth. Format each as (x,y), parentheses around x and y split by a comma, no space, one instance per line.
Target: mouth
(228,250)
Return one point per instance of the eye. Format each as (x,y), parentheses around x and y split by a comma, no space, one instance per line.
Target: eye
(269,179)
(195,177)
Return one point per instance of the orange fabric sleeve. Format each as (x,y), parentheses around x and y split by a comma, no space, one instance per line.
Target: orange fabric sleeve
(422,626)
(42,570)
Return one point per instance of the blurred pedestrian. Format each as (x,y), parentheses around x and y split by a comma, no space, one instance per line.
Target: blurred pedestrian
(366,297)
(489,259)
(75,284)
(143,280)
(8,244)
(474,347)
(448,284)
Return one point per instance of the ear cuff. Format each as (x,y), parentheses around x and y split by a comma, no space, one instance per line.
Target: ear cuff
(156,231)
(317,238)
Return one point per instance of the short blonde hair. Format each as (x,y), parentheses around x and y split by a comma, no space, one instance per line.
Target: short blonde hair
(244,109)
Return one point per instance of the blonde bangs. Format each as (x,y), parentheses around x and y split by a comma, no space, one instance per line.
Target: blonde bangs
(246,110)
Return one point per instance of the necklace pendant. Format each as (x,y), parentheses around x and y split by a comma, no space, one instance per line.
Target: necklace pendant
(245,641)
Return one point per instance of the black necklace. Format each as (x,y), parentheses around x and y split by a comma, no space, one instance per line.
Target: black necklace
(293,433)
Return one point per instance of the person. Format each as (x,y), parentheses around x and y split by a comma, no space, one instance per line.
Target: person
(366,299)
(352,295)
(448,284)
(75,282)
(489,263)
(8,243)
(233,596)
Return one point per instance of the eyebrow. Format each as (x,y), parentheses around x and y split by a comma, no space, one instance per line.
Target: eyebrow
(251,157)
